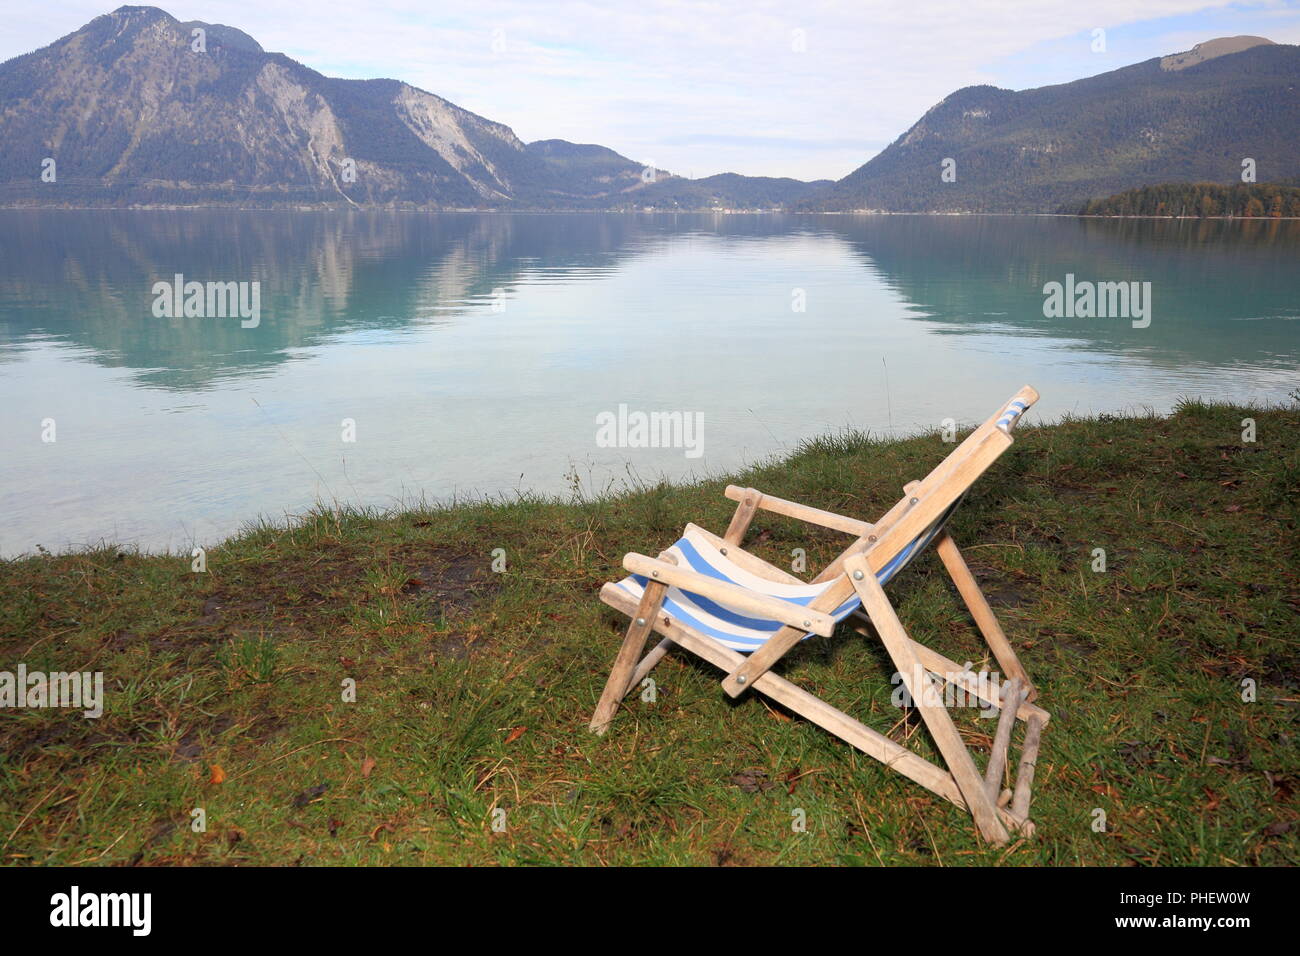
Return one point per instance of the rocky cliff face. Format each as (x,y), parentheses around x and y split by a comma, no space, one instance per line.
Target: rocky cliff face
(137,108)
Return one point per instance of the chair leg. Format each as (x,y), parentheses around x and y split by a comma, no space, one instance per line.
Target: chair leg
(985,619)
(893,755)
(924,696)
(1025,773)
(876,745)
(657,653)
(620,677)
(1011,697)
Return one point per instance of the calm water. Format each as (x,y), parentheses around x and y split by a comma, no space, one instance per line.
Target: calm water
(474,353)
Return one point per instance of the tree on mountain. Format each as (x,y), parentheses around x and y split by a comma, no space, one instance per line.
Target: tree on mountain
(1248,200)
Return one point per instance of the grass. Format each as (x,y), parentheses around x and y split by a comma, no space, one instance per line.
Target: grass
(466,740)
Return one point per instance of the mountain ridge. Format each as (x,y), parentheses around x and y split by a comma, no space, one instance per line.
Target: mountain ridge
(1037,150)
(133,114)
(130,113)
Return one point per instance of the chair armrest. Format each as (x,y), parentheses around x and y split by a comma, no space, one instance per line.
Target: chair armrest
(792,509)
(733,595)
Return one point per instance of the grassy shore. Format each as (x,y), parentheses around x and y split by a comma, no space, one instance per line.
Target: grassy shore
(473,688)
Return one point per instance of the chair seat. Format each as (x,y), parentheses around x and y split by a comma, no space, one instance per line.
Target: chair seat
(741,632)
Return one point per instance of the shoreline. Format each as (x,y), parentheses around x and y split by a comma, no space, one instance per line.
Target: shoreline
(286,522)
(354,210)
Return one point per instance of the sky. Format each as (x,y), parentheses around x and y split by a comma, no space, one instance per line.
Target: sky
(808,89)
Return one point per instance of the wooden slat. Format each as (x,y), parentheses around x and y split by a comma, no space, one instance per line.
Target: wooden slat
(1028,395)
(954,673)
(793,509)
(648,664)
(933,497)
(940,472)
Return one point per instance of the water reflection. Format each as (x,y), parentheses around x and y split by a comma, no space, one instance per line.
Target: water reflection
(1223,291)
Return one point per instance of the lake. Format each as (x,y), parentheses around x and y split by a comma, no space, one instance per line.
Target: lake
(405,356)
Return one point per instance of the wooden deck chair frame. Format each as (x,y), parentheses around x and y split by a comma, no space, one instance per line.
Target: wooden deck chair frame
(997,812)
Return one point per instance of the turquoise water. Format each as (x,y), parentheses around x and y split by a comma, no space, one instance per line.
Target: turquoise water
(474,353)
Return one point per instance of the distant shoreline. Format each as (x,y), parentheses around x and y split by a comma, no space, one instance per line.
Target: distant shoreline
(217,207)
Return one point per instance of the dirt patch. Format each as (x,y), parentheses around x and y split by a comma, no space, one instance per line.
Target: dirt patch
(453,647)
(1067,645)
(321,592)
(1138,754)
(452,584)
(751,781)
(260,729)
(728,856)
(1281,668)
(1007,595)
(292,590)
(188,750)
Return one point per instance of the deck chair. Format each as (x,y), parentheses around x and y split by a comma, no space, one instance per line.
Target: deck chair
(709,596)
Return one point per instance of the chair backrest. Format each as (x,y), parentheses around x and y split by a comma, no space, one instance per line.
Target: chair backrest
(918,544)
(919,515)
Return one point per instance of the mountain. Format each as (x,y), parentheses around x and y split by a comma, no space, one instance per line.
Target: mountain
(1190,117)
(131,113)
(1210,49)
(136,111)
(729,191)
(578,171)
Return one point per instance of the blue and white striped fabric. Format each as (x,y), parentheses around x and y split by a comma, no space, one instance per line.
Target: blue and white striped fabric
(740,632)
(1010,414)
